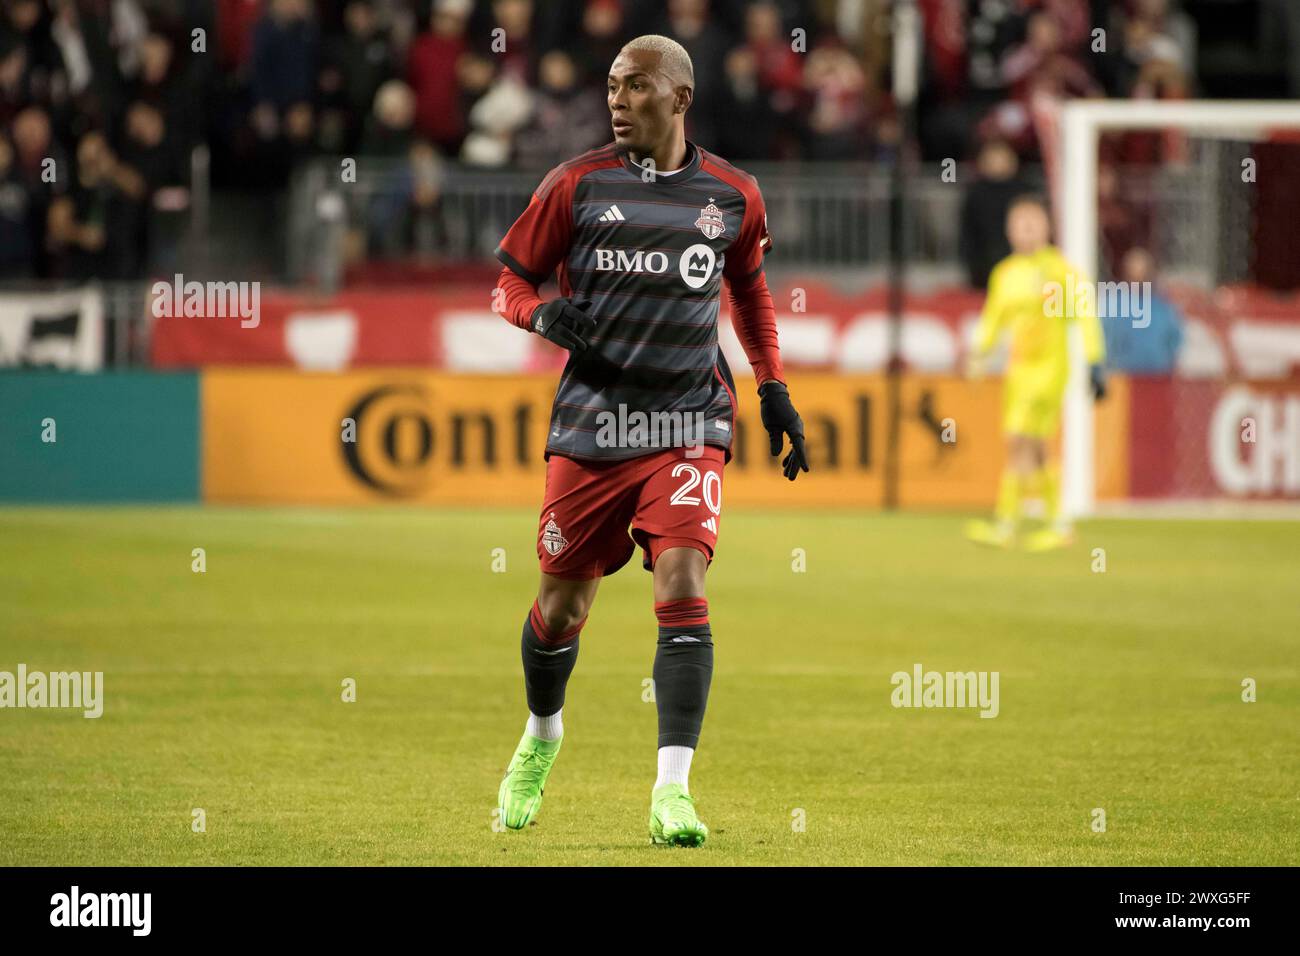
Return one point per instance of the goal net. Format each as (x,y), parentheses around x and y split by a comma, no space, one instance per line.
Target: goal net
(1202,200)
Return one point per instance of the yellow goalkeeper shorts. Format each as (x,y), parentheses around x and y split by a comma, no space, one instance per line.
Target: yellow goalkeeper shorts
(1037,416)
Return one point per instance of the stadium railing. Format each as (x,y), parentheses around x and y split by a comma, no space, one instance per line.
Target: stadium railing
(825,217)
(831,215)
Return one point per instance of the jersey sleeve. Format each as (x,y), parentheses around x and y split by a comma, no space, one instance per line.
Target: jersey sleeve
(754,319)
(745,255)
(991,316)
(517,299)
(539,240)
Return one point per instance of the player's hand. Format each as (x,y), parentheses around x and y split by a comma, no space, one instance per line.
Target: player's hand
(780,419)
(1097,379)
(565,322)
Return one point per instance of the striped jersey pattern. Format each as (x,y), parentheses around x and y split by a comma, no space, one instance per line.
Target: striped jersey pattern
(650,252)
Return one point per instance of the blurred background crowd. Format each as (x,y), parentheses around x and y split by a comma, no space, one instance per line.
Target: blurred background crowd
(103,102)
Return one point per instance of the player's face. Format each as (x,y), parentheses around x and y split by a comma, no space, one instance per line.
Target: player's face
(642,101)
(1027,227)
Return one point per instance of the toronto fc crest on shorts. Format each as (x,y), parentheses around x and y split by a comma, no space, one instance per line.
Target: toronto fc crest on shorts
(710,221)
(552,540)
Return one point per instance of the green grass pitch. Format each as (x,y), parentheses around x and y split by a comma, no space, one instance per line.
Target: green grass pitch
(1119,690)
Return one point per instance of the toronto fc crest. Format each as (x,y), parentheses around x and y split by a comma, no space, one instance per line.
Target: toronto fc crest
(552,540)
(710,221)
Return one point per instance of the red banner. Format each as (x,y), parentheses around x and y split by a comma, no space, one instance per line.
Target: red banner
(1192,439)
(1233,332)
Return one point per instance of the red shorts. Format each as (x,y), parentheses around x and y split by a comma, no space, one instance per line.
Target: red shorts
(597,513)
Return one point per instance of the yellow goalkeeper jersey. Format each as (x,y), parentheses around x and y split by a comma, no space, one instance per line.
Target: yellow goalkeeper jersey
(1035,297)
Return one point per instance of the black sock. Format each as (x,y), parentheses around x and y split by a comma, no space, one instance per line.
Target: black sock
(683,669)
(548,662)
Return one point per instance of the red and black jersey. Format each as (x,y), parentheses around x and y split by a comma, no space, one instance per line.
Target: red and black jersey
(650,251)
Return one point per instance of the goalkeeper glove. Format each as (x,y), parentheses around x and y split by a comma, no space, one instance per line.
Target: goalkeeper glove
(780,419)
(564,322)
(1097,379)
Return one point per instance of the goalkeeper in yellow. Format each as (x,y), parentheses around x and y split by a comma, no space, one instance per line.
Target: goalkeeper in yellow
(1027,301)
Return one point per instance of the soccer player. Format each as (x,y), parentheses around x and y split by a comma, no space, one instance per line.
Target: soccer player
(642,233)
(1026,299)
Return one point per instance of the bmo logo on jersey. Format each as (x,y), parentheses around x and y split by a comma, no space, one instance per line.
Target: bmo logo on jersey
(618,260)
(696,264)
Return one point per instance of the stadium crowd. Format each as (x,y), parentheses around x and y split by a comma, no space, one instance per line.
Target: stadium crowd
(103,101)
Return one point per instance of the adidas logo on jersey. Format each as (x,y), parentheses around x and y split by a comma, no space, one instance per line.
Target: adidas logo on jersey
(711,524)
(613,214)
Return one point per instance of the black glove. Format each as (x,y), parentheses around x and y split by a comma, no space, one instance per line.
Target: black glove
(565,322)
(1097,378)
(780,419)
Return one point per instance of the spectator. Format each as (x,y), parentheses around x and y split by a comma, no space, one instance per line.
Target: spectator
(1041,64)
(602,37)
(746,120)
(992,28)
(163,83)
(1154,32)
(15,87)
(497,114)
(1044,61)
(428,230)
(236,23)
(285,52)
(1124,221)
(509,41)
(28,24)
(1150,68)
(984,210)
(403,211)
(390,128)
(42,168)
(144,150)
(65,33)
(150,222)
(688,22)
(82,222)
(17,253)
(837,116)
(431,70)
(356,64)
(127,28)
(93,41)
(567,118)
(1146,343)
(780,69)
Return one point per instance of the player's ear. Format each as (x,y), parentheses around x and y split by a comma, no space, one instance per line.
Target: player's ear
(682,102)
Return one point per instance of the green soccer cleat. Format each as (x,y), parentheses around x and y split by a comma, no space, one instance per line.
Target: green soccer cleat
(520,796)
(672,817)
(990,534)
(1049,539)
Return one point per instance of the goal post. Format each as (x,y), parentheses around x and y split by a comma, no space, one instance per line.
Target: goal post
(1073,168)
